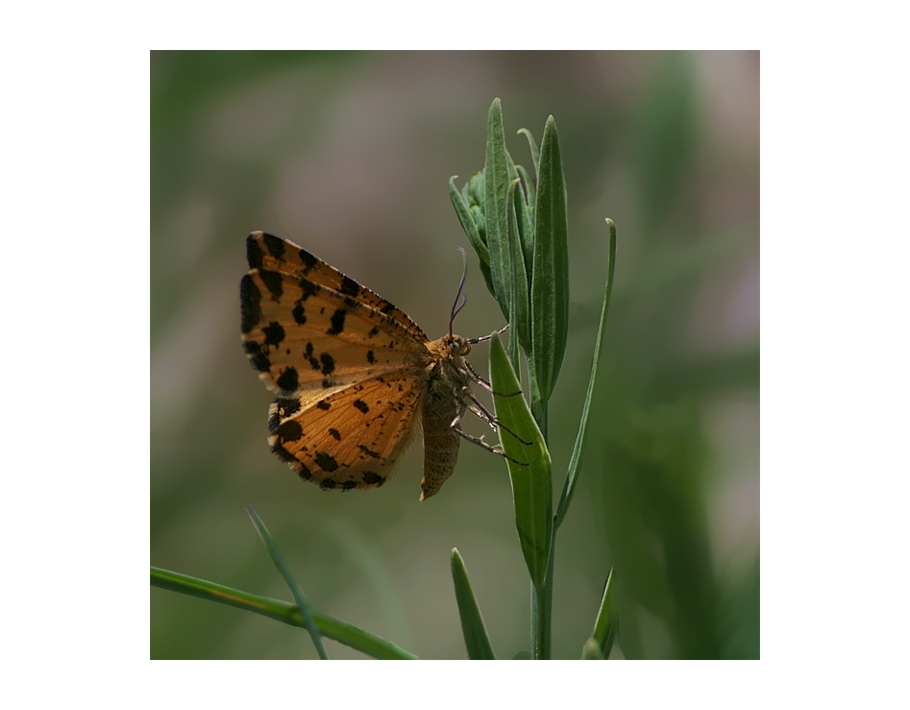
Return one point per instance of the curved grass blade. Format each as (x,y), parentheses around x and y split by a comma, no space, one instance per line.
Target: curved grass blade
(568,488)
(294,588)
(532,492)
(605,625)
(550,268)
(476,639)
(330,627)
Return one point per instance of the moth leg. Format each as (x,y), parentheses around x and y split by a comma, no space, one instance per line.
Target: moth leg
(458,417)
(484,415)
(481,416)
(486,385)
(484,445)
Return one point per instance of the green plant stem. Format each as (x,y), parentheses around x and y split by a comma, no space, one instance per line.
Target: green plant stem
(542,612)
(539,412)
(542,597)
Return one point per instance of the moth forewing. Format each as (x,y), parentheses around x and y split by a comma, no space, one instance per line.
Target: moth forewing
(270,253)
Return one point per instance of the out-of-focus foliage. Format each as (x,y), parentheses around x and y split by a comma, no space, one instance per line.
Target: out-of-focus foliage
(350,155)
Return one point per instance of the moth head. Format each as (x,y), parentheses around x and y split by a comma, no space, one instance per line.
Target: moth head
(458,345)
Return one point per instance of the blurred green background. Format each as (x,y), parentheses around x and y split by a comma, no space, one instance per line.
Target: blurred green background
(349,155)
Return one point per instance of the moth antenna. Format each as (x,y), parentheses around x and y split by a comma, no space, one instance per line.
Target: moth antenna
(460,298)
(474,341)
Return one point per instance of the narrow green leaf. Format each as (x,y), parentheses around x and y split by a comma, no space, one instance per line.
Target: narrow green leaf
(467,222)
(568,488)
(471,219)
(520,314)
(513,338)
(288,613)
(535,151)
(605,625)
(530,197)
(476,639)
(293,587)
(532,492)
(550,270)
(524,219)
(591,651)
(475,191)
(496,205)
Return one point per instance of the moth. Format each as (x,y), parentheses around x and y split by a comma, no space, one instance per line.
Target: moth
(356,378)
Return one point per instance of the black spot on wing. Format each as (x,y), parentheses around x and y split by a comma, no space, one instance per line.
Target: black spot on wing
(250,304)
(299,314)
(285,455)
(258,359)
(309,261)
(328,484)
(287,406)
(308,288)
(326,462)
(372,478)
(387,308)
(272,281)
(274,333)
(304,473)
(288,380)
(275,246)
(373,331)
(348,485)
(370,357)
(253,251)
(368,451)
(308,355)
(337,322)
(274,420)
(323,405)
(335,434)
(290,431)
(282,408)
(328,363)
(349,287)
(361,405)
